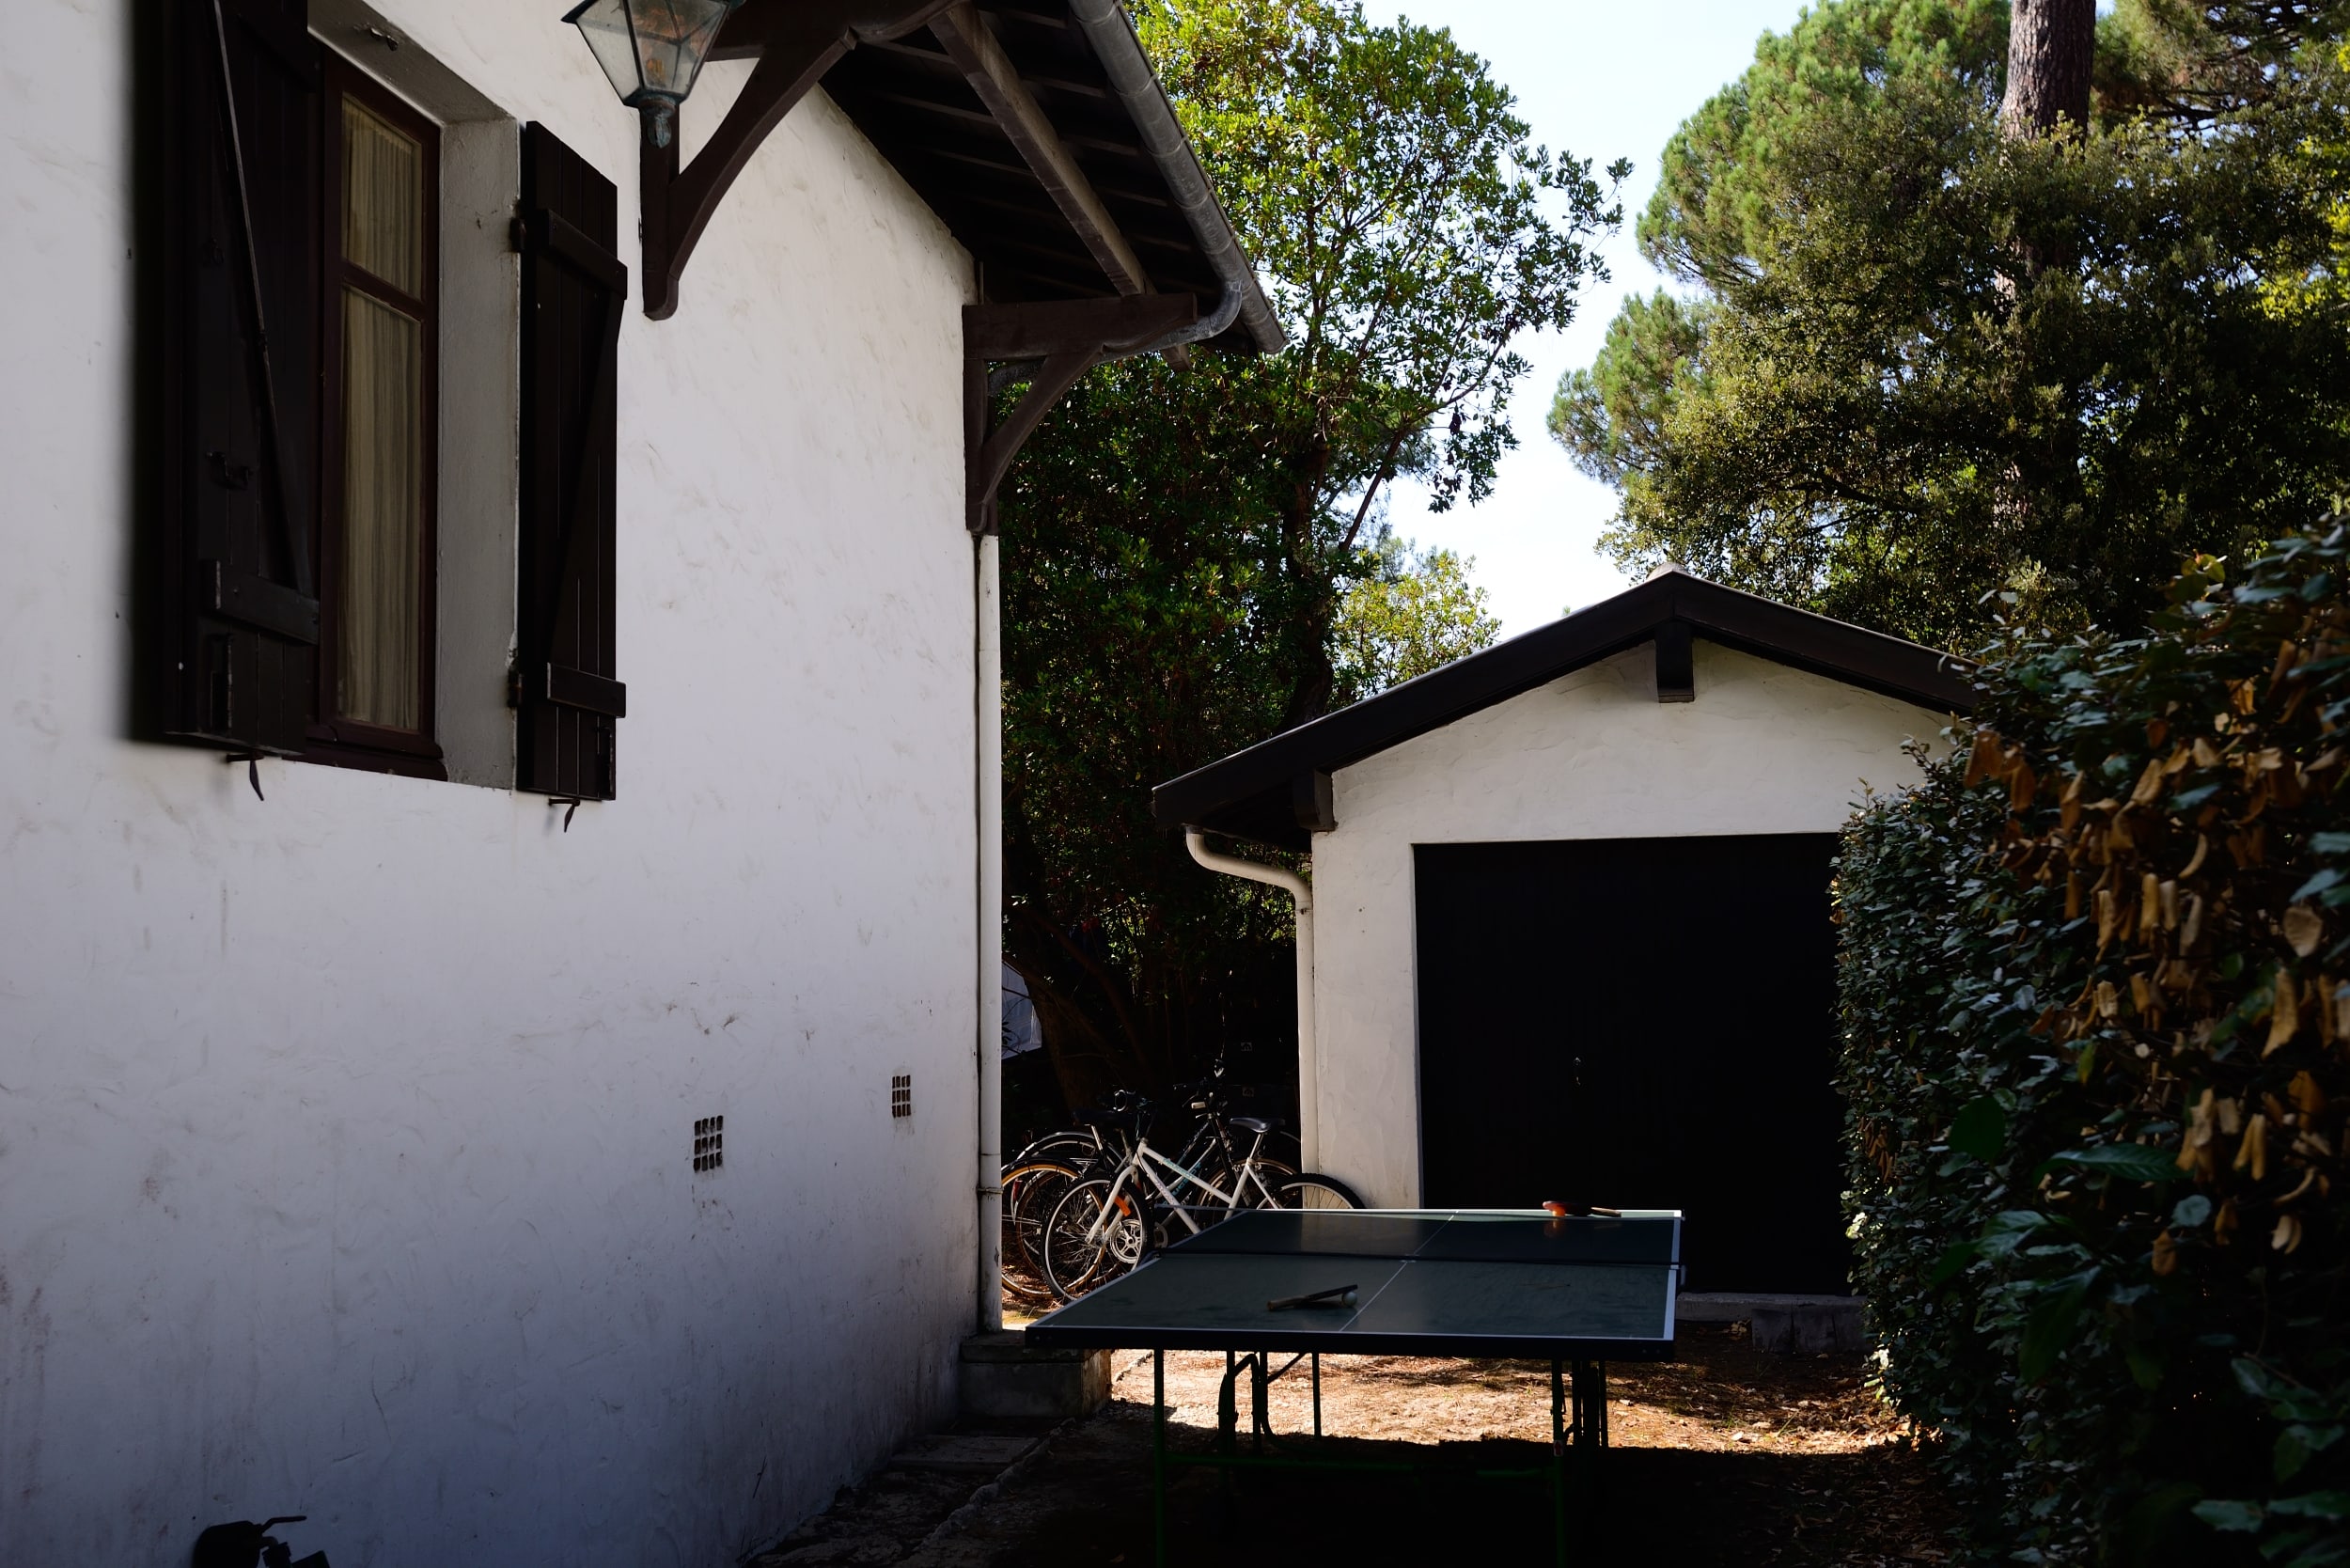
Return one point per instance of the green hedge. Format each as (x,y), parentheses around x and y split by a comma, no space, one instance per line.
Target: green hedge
(2096,1008)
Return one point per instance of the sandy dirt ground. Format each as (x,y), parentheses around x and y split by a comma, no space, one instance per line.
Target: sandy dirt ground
(1726,1456)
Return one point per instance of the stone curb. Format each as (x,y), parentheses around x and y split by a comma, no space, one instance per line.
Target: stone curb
(962,1518)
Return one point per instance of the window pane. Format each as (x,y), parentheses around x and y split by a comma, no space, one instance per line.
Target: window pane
(382,513)
(382,199)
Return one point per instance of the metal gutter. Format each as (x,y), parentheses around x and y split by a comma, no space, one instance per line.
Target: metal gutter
(989,732)
(1116,46)
(1309,1048)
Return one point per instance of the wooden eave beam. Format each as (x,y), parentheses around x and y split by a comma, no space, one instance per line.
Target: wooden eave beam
(795,42)
(1062,340)
(973,48)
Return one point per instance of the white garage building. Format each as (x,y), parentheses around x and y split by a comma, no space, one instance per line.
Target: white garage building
(1570,933)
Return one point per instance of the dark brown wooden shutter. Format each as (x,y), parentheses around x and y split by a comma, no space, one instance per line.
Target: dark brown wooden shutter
(240,383)
(573,290)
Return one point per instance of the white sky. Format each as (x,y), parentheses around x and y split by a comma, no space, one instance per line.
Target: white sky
(1603,80)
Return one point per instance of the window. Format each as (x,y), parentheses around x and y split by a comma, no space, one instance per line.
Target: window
(327,587)
(379,339)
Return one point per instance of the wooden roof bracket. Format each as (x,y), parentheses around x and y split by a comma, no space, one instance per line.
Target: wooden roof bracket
(1313,801)
(1676,662)
(795,42)
(1061,340)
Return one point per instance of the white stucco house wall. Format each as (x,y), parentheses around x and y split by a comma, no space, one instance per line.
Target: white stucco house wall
(1560,764)
(500,1169)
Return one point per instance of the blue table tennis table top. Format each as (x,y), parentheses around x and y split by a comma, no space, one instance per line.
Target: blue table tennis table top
(1480,1282)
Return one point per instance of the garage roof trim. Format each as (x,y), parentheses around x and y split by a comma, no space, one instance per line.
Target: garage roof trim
(1278,792)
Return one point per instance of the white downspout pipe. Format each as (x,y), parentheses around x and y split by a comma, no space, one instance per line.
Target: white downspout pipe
(1308,1068)
(989,712)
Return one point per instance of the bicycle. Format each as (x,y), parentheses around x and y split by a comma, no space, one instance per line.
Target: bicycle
(1102,1225)
(1032,1182)
(1035,1179)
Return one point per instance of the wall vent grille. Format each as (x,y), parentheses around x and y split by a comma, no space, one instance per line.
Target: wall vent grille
(709,1142)
(902,1095)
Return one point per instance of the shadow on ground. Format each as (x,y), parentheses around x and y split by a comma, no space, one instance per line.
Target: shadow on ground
(1651,1506)
(1725,1457)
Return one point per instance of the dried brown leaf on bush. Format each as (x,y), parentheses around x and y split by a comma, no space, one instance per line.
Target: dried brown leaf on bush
(2304,929)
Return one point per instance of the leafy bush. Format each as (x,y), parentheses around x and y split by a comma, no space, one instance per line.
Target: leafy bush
(2096,1002)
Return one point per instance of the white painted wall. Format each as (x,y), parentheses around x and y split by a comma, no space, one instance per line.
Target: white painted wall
(1592,755)
(344,1138)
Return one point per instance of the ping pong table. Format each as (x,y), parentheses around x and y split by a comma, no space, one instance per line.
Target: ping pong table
(1516,1284)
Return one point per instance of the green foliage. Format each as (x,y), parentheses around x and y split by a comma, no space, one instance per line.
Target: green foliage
(1141,581)
(1717,217)
(1178,545)
(1381,181)
(1417,614)
(2097,1060)
(1913,363)
(2309,284)
(2195,63)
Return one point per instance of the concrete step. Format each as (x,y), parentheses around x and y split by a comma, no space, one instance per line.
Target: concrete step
(1006,1378)
(975,1453)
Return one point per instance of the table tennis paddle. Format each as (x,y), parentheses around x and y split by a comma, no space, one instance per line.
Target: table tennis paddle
(1336,1296)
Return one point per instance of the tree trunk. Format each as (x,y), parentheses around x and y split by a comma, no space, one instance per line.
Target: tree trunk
(2050,47)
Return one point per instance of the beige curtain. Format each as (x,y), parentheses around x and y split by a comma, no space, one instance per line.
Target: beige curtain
(382,199)
(383,565)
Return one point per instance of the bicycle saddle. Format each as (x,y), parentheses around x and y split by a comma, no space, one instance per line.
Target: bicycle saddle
(1256,1125)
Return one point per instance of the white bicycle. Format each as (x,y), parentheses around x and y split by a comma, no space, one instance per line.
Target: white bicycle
(1103,1226)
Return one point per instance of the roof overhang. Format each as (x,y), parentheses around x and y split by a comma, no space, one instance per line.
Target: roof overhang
(1037,133)
(1278,791)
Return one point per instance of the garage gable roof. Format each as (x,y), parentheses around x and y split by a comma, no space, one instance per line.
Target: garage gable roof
(1278,791)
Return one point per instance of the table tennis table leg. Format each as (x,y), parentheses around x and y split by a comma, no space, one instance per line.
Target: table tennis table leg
(1227,1406)
(1559,1463)
(1259,1388)
(1589,1424)
(1158,1457)
(1317,1393)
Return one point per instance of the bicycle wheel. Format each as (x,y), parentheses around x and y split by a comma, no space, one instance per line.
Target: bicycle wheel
(1310,1191)
(1030,1190)
(1072,1264)
(1257,1183)
(1069,1146)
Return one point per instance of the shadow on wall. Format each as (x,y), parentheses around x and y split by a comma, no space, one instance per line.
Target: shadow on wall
(246,1544)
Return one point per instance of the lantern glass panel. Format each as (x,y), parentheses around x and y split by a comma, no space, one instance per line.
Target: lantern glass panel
(606,26)
(652,50)
(673,37)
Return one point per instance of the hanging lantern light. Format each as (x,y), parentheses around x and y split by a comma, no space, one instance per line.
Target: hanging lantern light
(651,49)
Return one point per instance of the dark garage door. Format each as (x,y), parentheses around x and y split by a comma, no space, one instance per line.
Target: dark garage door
(1639,1023)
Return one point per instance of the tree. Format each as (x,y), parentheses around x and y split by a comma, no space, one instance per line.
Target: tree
(2051,46)
(2195,63)
(1382,181)
(2311,285)
(1871,396)
(1418,613)
(1178,544)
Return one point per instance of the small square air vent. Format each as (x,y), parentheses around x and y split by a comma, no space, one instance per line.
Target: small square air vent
(902,1095)
(710,1143)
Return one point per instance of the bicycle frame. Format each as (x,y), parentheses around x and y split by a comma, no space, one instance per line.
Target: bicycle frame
(1140,1162)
